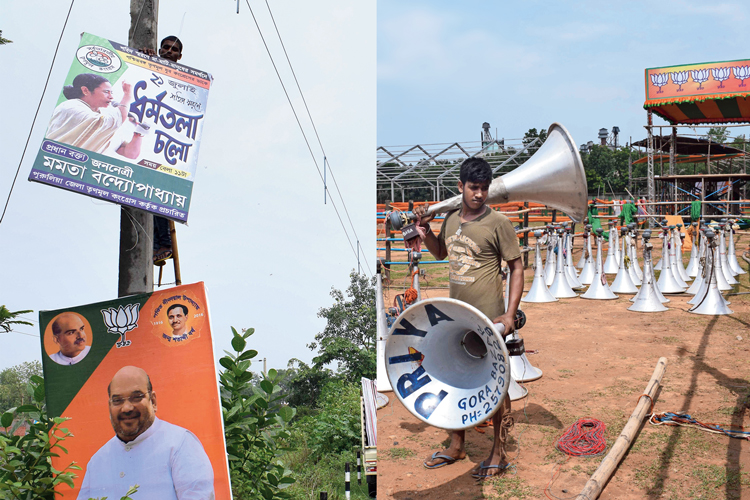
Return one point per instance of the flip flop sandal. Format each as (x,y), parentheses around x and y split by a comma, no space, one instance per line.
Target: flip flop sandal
(483,467)
(162,257)
(447,460)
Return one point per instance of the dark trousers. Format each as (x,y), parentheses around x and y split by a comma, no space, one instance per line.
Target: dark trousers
(162,238)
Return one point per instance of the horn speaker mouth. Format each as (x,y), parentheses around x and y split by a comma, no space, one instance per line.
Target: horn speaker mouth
(447,363)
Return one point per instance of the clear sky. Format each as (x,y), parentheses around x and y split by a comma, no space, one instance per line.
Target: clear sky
(260,236)
(445,67)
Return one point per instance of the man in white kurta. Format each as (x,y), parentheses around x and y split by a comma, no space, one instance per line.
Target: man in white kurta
(167,461)
(62,359)
(69,332)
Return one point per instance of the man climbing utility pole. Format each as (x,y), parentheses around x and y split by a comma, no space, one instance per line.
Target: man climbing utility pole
(136,273)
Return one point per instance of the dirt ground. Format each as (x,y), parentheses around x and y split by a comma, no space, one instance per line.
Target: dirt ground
(597,358)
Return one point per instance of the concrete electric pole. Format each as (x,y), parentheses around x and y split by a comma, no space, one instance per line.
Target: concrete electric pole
(136,273)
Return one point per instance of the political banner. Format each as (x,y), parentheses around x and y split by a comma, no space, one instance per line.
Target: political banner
(126,129)
(136,378)
(697,82)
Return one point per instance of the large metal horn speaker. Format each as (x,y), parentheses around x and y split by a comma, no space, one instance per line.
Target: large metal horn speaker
(447,363)
(554,176)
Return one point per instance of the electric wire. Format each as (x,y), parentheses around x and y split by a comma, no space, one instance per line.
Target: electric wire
(299,124)
(21,333)
(315,129)
(44,91)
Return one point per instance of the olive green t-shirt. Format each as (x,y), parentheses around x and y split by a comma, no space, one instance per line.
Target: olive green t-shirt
(475,250)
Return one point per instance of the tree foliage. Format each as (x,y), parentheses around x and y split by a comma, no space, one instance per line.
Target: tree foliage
(718,135)
(8,319)
(336,427)
(14,382)
(3,41)
(255,424)
(26,470)
(306,384)
(607,169)
(349,336)
(533,134)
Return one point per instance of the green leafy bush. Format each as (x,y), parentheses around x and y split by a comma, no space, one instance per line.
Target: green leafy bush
(26,470)
(255,426)
(336,427)
(324,441)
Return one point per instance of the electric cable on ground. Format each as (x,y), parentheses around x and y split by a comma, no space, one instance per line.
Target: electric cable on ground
(584,438)
(684,419)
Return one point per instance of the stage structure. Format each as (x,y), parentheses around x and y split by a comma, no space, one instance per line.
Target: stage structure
(696,96)
(431,171)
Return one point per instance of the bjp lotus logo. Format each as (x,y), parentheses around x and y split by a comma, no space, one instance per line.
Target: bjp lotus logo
(699,76)
(121,320)
(659,80)
(720,74)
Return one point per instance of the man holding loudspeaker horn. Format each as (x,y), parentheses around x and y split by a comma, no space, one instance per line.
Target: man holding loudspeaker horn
(476,239)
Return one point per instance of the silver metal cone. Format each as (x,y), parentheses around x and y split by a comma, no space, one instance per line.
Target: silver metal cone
(725,268)
(647,299)
(657,266)
(521,369)
(582,260)
(623,283)
(697,283)
(515,391)
(589,268)
(692,266)
(635,269)
(570,271)
(617,245)
(711,301)
(560,287)
(732,256)
(721,277)
(538,291)
(610,265)
(699,293)
(554,176)
(551,263)
(667,282)
(673,264)
(599,289)
(678,260)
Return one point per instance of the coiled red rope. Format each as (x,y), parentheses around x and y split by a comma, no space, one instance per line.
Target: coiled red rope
(584,437)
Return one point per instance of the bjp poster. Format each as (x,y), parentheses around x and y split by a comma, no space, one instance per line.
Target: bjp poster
(126,129)
(137,380)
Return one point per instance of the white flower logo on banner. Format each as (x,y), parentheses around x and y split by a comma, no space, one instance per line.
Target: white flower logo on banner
(121,320)
(720,74)
(699,76)
(659,80)
(680,78)
(741,73)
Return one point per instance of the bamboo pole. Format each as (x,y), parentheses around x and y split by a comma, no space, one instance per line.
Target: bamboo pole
(598,480)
